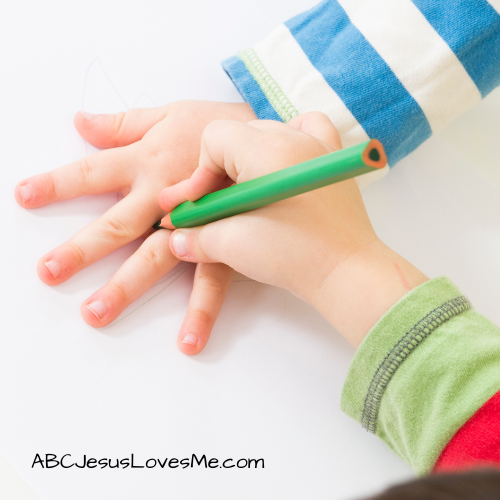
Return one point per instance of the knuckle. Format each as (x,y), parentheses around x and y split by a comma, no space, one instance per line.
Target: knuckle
(86,169)
(211,284)
(50,186)
(213,128)
(154,149)
(201,316)
(214,124)
(77,253)
(153,255)
(279,144)
(119,290)
(119,124)
(116,227)
(319,116)
(154,153)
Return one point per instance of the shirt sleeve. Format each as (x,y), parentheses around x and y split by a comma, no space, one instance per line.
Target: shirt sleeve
(477,442)
(394,70)
(423,371)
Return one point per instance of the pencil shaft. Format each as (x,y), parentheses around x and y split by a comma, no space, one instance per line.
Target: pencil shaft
(273,187)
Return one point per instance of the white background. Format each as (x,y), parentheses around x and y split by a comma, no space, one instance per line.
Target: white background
(268,384)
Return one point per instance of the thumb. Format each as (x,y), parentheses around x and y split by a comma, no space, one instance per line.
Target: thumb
(120,129)
(198,244)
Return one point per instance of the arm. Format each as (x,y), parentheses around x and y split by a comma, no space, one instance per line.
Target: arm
(426,367)
(426,361)
(388,69)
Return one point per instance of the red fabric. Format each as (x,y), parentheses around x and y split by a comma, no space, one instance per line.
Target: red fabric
(477,442)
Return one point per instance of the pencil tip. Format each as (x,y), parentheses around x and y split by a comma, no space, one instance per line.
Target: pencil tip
(158,225)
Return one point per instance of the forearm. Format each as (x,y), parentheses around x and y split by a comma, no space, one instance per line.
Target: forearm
(397,71)
(426,362)
(427,367)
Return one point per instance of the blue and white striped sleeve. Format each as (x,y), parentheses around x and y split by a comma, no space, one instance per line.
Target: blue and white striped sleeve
(395,70)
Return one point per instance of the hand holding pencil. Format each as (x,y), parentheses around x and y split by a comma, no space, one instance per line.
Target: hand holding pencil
(302,243)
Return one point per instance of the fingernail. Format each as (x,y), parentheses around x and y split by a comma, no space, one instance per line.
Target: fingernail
(190,339)
(97,308)
(53,267)
(26,192)
(87,116)
(179,244)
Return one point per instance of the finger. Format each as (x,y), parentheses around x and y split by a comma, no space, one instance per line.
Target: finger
(222,140)
(201,244)
(172,196)
(207,178)
(210,287)
(120,129)
(136,276)
(185,245)
(222,143)
(120,225)
(103,172)
(318,125)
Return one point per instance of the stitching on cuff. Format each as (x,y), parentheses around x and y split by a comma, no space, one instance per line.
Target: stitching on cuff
(398,354)
(271,89)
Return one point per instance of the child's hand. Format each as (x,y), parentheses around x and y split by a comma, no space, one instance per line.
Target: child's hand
(153,148)
(318,245)
(292,244)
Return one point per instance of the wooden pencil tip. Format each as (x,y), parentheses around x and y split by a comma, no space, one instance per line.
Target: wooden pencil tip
(164,223)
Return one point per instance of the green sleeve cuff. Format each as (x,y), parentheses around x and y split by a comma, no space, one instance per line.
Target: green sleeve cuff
(423,370)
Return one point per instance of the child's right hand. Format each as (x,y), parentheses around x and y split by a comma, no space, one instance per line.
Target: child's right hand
(292,244)
(320,245)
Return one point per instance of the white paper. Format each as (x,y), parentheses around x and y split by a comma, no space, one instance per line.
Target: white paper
(268,384)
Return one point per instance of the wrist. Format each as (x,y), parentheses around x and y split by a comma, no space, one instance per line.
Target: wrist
(362,288)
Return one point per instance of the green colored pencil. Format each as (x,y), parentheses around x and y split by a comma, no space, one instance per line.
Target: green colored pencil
(307,176)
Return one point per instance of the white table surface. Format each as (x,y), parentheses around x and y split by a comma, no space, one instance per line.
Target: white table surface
(268,385)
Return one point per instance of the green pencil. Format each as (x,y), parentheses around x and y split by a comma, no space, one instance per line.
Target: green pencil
(307,176)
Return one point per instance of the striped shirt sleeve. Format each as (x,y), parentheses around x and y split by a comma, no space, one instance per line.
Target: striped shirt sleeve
(395,70)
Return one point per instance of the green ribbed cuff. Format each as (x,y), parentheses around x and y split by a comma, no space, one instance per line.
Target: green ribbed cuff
(423,370)
(279,101)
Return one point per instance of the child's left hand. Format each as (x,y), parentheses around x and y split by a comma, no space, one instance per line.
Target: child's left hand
(151,149)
